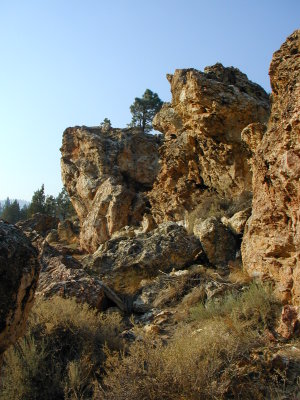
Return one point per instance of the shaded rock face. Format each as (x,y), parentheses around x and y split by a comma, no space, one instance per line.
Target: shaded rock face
(19,271)
(40,223)
(218,242)
(123,263)
(61,275)
(203,149)
(107,174)
(271,243)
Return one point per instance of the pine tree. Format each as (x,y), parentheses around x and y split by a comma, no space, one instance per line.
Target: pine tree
(144,109)
(64,206)
(11,211)
(38,201)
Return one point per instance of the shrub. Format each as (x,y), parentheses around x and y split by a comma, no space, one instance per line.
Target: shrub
(204,357)
(61,354)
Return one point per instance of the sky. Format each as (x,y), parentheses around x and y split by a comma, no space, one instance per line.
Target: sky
(75,62)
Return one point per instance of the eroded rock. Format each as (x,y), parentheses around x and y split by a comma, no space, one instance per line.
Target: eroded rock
(271,243)
(217,241)
(123,263)
(19,272)
(203,150)
(107,173)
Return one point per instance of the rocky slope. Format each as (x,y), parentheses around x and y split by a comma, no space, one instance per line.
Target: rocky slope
(107,174)
(271,244)
(203,150)
(19,271)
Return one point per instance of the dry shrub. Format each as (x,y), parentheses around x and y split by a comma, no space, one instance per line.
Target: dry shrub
(176,287)
(202,359)
(61,354)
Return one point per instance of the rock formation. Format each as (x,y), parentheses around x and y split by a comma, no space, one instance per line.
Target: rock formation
(19,271)
(62,275)
(107,173)
(203,150)
(123,263)
(271,243)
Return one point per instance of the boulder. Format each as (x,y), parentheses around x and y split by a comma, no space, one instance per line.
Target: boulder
(203,149)
(271,242)
(62,275)
(40,223)
(218,243)
(237,222)
(107,173)
(19,271)
(124,263)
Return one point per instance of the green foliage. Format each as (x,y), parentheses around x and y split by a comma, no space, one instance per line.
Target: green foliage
(11,211)
(106,124)
(60,206)
(64,206)
(61,354)
(38,200)
(144,109)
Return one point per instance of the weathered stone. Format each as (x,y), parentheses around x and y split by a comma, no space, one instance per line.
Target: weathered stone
(41,223)
(289,321)
(124,263)
(203,150)
(19,271)
(217,241)
(107,173)
(271,243)
(67,232)
(237,222)
(62,275)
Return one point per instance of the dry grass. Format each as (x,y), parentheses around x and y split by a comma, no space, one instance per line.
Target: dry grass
(61,354)
(202,359)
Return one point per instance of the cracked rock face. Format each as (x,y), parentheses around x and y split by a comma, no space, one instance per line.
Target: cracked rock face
(107,174)
(271,243)
(19,271)
(203,149)
(123,263)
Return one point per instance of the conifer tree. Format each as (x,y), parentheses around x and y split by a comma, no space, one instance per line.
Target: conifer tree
(144,109)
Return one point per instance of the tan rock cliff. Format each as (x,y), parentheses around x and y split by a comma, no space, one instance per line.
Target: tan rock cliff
(107,173)
(203,149)
(271,244)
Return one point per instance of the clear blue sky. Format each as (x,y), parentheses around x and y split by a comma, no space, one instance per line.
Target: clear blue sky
(75,62)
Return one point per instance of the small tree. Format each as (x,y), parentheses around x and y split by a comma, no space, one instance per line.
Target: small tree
(38,200)
(65,208)
(144,109)
(106,124)
(11,211)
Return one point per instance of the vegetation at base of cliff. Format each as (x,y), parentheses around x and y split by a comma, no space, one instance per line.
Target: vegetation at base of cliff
(62,353)
(60,207)
(211,355)
(219,351)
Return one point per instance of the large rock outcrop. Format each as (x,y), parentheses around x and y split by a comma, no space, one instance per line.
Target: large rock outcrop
(19,271)
(271,243)
(107,173)
(203,150)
